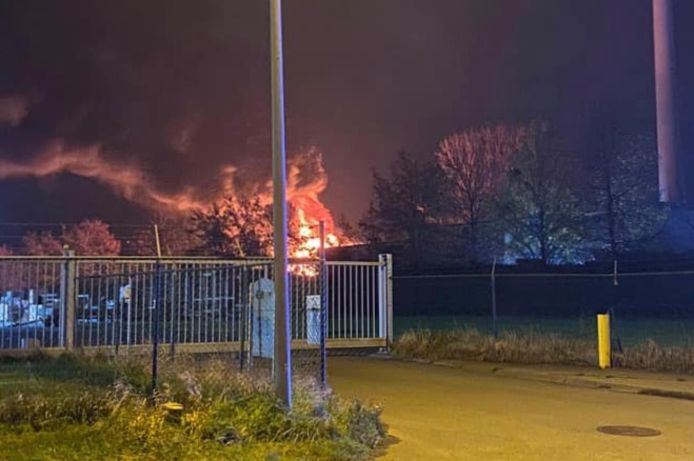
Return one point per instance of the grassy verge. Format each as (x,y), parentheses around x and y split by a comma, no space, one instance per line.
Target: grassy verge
(73,408)
(532,348)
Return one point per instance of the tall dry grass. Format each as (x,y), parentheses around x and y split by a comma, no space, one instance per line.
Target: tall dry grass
(202,409)
(535,348)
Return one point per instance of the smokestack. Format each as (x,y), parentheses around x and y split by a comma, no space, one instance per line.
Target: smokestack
(664,47)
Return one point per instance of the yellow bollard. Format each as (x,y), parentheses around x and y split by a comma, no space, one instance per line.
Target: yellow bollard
(604,353)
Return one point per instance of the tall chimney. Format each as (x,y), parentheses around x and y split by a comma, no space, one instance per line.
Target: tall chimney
(668,174)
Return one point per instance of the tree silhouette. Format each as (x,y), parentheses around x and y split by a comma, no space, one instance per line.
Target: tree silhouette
(542,214)
(406,207)
(475,163)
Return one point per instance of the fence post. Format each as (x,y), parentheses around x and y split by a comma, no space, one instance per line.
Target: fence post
(323,308)
(156,301)
(493,288)
(244,320)
(385,300)
(68,298)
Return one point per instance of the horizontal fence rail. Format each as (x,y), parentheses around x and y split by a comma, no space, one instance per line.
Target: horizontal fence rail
(203,304)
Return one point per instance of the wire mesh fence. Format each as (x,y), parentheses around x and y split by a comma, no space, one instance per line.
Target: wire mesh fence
(646,306)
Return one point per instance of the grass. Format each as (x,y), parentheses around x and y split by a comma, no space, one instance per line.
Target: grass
(535,348)
(75,408)
(666,330)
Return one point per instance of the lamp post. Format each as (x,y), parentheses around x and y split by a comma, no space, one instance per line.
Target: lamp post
(664,47)
(282,363)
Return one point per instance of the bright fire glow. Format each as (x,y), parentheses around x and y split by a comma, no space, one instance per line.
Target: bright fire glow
(309,243)
(306,181)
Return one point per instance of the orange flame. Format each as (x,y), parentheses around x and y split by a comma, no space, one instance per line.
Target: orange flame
(306,181)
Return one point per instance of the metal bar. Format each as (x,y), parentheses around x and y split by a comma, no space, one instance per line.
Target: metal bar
(352,263)
(389,299)
(350,293)
(382,297)
(243,317)
(493,290)
(364,297)
(331,292)
(6,279)
(70,299)
(282,364)
(323,307)
(156,301)
(54,313)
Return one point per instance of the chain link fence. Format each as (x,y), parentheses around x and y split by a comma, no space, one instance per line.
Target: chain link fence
(647,307)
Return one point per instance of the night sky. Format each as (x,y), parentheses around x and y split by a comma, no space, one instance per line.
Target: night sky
(171,92)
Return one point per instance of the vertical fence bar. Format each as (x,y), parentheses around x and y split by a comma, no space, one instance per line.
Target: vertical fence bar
(243,316)
(68,299)
(389,300)
(374,297)
(331,295)
(362,301)
(385,309)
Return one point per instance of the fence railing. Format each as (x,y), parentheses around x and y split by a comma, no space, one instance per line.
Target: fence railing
(202,303)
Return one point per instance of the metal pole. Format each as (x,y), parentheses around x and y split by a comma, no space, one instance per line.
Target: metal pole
(323,308)
(157,320)
(389,299)
(664,50)
(493,286)
(69,299)
(282,369)
(157,312)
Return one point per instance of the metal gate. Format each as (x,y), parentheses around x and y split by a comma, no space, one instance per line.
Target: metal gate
(192,305)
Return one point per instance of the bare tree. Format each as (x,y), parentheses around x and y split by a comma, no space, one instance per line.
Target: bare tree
(625,183)
(405,207)
(541,211)
(475,162)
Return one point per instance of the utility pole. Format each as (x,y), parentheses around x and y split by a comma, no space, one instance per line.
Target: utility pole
(282,363)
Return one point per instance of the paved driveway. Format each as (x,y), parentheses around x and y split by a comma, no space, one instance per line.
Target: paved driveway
(440,413)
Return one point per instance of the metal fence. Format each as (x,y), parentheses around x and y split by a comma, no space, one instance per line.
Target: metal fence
(189,305)
(646,305)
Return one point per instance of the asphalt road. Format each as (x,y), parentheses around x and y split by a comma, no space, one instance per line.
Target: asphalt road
(439,413)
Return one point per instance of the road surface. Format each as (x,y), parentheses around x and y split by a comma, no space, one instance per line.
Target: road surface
(440,413)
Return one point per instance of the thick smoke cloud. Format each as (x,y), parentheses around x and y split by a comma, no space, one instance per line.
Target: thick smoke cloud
(179,90)
(158,101)
(13,109)
(306,181)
